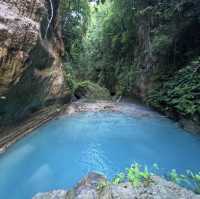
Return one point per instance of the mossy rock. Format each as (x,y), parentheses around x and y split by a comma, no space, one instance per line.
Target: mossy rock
(91,91)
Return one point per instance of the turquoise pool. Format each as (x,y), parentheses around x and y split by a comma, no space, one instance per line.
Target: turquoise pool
(62,151)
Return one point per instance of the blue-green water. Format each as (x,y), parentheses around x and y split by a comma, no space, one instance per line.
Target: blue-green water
(58,154)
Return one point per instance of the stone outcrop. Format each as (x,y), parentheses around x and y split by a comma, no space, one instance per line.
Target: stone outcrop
(30,60)
(96,186)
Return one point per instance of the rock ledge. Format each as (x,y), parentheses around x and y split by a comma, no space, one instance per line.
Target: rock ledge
(89,188)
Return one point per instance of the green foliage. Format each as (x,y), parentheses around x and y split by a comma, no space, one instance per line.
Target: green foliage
(102,42)
(180,93)
(161,43)
(109,45)
(137,175)
(69,78)
(119,178)
(175,177)
(125,75)
(189,179)
(70,82)
(75,16)
(194,179)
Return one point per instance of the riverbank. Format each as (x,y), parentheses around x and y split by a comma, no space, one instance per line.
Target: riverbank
(11,135)
(126,106)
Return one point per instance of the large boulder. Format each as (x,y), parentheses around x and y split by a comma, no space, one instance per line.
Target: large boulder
(91,91)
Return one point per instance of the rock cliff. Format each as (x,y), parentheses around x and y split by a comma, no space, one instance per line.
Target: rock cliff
(167,58)
(31,48)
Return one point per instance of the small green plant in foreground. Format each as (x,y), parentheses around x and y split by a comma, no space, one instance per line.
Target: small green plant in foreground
(189,179)
(175,177)
(138,175)
(194,180)
(119,178)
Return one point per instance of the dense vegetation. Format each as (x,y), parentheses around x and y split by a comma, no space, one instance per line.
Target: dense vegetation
(109,46)
(135,47)
(179,93)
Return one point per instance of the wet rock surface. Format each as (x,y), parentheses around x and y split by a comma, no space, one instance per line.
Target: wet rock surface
(89,188)
(128,108)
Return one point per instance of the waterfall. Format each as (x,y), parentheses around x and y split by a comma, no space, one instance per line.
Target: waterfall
(51,18)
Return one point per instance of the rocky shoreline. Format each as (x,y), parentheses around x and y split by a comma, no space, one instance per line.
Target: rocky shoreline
(10,135)
(96,186)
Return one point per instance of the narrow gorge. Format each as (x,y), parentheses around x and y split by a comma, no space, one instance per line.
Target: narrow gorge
(92,87)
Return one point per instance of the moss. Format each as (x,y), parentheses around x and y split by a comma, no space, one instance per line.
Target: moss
(90,90)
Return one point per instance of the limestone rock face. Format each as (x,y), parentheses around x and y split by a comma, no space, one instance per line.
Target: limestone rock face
(90,188)
(30,56)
